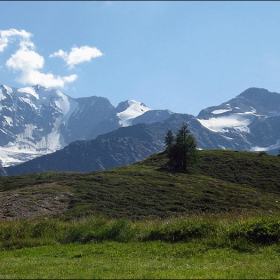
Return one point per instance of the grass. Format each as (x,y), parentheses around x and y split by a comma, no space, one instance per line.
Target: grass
(150,260)
(224,181)
(230,182)
(227,230)
(220,220)
(201,246)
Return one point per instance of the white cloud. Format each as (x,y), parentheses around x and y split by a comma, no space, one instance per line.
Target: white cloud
(7,36)
(47,80)
(29,63)
(25,60)
(78,55)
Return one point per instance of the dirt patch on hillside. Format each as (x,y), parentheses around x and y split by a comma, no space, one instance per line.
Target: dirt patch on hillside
(30,202)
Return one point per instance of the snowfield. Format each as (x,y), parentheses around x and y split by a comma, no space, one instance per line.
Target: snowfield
(237,121)
(134,110)
(12,155)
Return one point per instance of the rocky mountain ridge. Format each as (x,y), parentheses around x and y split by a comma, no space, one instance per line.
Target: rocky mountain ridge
(132,131)
(35,121)
(252,120)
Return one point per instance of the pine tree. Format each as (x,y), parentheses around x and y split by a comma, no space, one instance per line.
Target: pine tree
(181,150)
(169,139)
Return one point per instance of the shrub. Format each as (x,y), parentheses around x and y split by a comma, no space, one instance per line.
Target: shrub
(116,230)
(264,232)
(180,231)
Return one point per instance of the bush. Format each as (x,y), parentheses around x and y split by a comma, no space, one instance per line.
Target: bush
(180,231)
(241,245)
(117,230)
(263,232)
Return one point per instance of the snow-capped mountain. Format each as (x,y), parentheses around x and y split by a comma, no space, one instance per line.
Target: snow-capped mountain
(30,119)
(251,120)
(127,145)
(36,120)
(129,110)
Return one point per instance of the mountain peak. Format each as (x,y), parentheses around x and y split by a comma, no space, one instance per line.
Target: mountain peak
(242,112)
(7,88)
(129,110)
(128,103)
(253,92)
(37,87)
(264,101)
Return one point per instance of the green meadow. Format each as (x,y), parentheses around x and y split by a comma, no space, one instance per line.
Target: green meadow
(219,220)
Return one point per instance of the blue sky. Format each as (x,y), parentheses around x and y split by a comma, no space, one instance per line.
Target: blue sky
(183,56)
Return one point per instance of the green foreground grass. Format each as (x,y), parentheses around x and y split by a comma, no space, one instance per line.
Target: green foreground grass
(203,246)
(153,259)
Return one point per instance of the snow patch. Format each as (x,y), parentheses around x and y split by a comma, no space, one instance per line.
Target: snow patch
(134,110)
(254,111)
(14,156)
(25,141)
(222,147)
(226,137)
(8,89)
(8,121)
(29,90)
(271,147)
(3,131)
(2,96)
(217,112)
(237,121)
(28,101)
(62,103)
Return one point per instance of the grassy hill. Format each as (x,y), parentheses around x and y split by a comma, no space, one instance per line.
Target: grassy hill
(220,220)
(224,181)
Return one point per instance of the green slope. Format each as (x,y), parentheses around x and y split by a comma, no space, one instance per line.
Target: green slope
(224,181)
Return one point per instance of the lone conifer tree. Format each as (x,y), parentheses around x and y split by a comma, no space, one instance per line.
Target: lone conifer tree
(182,149)
(169,139)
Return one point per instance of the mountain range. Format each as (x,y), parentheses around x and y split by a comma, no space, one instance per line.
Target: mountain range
(43,129)
(36,120)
